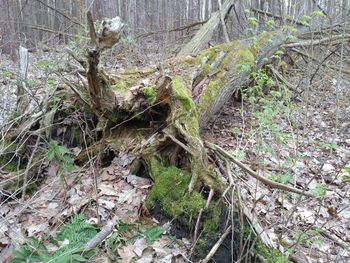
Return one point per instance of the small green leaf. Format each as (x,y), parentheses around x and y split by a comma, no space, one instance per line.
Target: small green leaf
(317,13)
(152,234)
(252,21)
(319,191)
(50,155)
(270,23)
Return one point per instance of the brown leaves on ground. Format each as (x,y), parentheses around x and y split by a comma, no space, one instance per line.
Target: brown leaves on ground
(117,193)
(316,159)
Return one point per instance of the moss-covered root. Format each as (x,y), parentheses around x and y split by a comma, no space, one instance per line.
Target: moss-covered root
(171,194)
(183,121)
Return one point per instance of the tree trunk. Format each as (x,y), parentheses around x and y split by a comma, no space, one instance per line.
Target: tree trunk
(205,34)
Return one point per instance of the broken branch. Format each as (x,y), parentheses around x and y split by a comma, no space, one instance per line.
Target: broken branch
(254,174)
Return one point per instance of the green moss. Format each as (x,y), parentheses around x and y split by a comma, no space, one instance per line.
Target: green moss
(209,96)
(212,221)
(182,94)
(209,53)
(191,61)
(114,116)
(150,93)
(201,248)
(246,59)
(206,69)
(8,160)
(8,167)
(271,255)
(192,125)
(171,192)
(119,85)
(262,41)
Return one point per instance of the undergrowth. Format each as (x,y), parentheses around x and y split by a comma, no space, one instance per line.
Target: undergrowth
(69,244)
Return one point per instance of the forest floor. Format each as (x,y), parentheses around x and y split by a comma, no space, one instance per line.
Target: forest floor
(301,140)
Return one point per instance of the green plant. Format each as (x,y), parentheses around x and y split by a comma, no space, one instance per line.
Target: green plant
(128,39)
(328,146)
(60,155)
(152,234)
(320,190)
(8,74)
(278,54)
(347,169)
(270,23)
(97,24)
(112,244)
(252,21)
(270,103)
(116,240)
(70,242)
(51,83)
(45,65)
(305,20)
(239,154)
(318,13)
(309,238)
(283,178)
(31,83)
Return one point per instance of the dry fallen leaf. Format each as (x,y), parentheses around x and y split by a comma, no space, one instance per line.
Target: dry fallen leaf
(36,229)
(127,196)
(138,182)
(105,189)
(126,253)
(140,246)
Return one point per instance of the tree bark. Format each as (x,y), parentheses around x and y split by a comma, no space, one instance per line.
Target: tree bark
(204,35)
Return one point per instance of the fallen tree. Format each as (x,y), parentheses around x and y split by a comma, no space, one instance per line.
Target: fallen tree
(181,95)
(155,115)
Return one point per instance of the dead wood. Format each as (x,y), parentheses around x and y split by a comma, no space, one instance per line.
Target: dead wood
(204,35)
(335,68)
(256,175)
(156,115)
(292,21)
(335,39)
(176,29)
(22,91)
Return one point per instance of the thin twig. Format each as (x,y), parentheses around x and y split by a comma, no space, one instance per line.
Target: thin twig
(197,225)
(255,175)
(61,13)
(217,245)
(26,172)
(210,197)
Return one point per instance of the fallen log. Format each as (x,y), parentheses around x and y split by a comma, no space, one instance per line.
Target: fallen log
(155,115)
(204,35)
